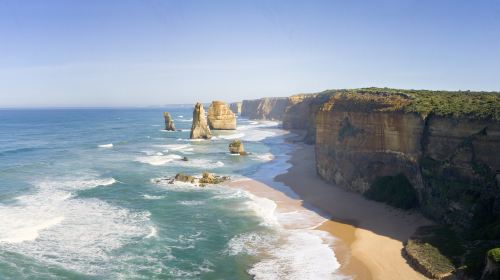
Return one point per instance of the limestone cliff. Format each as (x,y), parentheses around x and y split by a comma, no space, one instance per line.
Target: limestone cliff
(199,128)
(438,150)
(220,117)
(301,113)
(272,108)
(235,107)
(447,159)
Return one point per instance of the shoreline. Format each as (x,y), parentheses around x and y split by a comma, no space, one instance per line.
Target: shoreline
(367,228)
(364,230)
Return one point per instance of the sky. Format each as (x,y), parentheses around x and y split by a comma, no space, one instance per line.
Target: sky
(155,52)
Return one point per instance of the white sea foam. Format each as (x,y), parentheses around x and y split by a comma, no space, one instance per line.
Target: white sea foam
(250,243)
(264,208)
(27,230)
(182,148)
(232,136)
(177,147)
(110,145)
(293,249)
(304,218)
(191,202)
(148,152)
(53,226)
(263,157)
(259,135)
(158,159)
(198,163)
(153,197)
(304,254)
(153,232)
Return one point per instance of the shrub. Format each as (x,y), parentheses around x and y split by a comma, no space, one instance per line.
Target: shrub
(396,191)
(494,254)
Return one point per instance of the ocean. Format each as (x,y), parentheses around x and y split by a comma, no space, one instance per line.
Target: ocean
(79,199)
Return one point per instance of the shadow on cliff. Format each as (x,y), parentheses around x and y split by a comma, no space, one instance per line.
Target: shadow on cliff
(301,181)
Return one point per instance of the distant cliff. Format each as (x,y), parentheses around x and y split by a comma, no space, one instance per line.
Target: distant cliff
(271,108)
(235,107)
(301,113)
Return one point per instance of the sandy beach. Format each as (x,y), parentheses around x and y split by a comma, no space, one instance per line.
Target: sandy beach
(369,235)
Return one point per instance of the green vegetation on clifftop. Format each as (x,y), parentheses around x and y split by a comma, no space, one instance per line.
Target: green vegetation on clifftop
(459,104)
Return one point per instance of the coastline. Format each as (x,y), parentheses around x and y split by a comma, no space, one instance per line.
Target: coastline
(364,230)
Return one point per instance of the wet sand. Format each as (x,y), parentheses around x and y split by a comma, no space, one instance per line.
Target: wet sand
(369,234)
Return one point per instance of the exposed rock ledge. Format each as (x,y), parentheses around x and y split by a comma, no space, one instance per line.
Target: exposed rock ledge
(205,179)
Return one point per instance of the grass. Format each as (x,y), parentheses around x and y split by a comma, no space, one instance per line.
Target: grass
(396,191)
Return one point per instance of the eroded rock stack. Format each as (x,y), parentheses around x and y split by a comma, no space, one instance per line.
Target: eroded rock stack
(169,122)
(236,147)
(220,117)
(199,128)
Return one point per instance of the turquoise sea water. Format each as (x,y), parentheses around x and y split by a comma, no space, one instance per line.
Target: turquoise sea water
(78,200)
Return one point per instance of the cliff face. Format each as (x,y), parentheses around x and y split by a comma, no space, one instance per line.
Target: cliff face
(235,107)
(459,165)
(448,160)
(272,108)
(301,114)
(220,117)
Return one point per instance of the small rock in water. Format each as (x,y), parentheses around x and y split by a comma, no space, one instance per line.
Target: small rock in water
(185,159)
(236,147)
(184,178)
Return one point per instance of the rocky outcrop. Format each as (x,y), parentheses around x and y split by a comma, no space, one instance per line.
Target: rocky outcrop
(272,108)
(181,177)
(235,107)
(220,117)
(447,159)
(199,128)
(205,179)
(236,147)
(169,122)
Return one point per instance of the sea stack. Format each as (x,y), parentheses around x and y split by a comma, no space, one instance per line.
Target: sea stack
(236,147)
(220,117)
(199,128)
(169,122)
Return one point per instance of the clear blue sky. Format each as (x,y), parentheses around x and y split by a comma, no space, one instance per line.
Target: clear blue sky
(137,53)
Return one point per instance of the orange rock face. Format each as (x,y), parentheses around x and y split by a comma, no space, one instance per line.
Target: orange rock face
(199,128)
(220,117)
